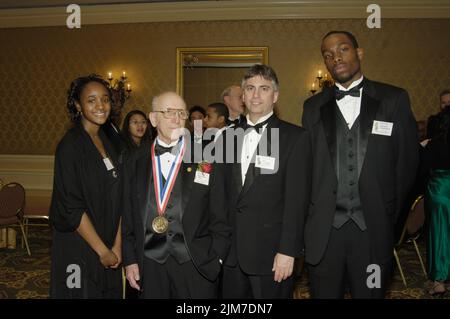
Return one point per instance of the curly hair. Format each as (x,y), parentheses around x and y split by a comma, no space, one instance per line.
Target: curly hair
(75,90)
(126,129)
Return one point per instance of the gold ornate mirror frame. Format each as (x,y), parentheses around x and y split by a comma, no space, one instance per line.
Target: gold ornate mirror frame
(217,57)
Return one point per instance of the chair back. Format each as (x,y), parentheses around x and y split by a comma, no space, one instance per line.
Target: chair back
(415,220)
(12,200)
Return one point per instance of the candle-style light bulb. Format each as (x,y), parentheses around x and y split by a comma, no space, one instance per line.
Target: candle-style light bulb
(110,76)
(128,87)
(124,74)
(319,74)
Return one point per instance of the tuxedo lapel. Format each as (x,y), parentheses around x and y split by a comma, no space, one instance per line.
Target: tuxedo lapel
(237,165)
(368,112)
(328,116)
(250,177)
(187,175)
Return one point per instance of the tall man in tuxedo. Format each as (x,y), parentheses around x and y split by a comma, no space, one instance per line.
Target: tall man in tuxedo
(365,154)
(175,232)
(268,195)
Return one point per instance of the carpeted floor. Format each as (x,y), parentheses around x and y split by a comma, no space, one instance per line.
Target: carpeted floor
(23,276)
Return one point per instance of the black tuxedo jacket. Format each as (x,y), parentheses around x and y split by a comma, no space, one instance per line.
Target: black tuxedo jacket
(204,217)
(267,216)
(387,165)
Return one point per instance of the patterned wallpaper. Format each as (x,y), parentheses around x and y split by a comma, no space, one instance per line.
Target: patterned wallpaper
(37,65)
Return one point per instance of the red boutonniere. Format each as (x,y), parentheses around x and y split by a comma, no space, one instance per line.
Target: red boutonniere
(204,167)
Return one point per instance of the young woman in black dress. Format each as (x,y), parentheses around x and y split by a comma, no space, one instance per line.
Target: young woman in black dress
(85,213)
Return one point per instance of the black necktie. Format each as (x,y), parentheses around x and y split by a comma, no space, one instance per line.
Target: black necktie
(159,149)
(339,94)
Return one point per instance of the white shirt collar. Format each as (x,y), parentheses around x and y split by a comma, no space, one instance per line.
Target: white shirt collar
(260,120)
(160,142)
(355,83)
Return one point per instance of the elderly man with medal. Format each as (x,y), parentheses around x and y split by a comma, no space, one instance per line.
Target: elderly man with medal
(175,232)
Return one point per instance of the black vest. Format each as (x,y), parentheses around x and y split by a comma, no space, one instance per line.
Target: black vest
(159,246)
(348,202)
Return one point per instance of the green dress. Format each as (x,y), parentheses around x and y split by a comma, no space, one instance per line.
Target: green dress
(438,205)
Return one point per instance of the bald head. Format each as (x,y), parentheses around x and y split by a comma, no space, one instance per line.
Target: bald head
(167,100)
(232,97)
(168,115)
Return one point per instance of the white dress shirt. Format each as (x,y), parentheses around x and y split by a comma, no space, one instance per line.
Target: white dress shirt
(350,106)
(219,131)
(167,158)
(250,144)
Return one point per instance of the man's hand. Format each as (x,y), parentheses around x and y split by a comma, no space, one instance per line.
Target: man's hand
(283,266)
(132,274)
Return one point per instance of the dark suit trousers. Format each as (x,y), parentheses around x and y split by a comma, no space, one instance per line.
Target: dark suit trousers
(344,264)
(239,285)
(174,280)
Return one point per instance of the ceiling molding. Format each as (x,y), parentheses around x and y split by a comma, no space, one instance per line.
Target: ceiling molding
(223,10)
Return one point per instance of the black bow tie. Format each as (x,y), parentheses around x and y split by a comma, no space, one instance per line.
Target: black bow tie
(159,149)
(339,94)
(258,126)
(235,122)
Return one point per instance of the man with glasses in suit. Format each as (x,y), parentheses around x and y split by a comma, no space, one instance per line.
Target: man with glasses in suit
(175,232)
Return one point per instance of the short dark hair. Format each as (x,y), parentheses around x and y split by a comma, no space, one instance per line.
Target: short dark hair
(126,129)
(445,92)
(75,90)
(196,108)
(221,109)
(264,71)
(348,34)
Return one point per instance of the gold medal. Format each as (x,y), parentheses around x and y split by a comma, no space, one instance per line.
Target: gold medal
(160,224)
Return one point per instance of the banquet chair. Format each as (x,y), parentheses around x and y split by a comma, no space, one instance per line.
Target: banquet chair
(411,232)
(12,202)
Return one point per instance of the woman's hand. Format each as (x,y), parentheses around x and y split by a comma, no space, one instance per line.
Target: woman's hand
(117,250)
(109,259)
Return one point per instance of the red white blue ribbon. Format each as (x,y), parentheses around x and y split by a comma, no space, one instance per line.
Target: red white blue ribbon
(162,192)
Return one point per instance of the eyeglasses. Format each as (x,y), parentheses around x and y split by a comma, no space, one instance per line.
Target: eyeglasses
(172,113)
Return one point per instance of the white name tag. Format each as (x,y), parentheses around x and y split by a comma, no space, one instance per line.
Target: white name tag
(108,164)
(201,178)
(265,162)
(382,128)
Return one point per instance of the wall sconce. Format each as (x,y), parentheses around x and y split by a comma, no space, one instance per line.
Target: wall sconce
(120,88)
(322,81)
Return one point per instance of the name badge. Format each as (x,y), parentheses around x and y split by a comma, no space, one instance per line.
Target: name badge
(265,162)
(108,164)
(382,128)
(201,178)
